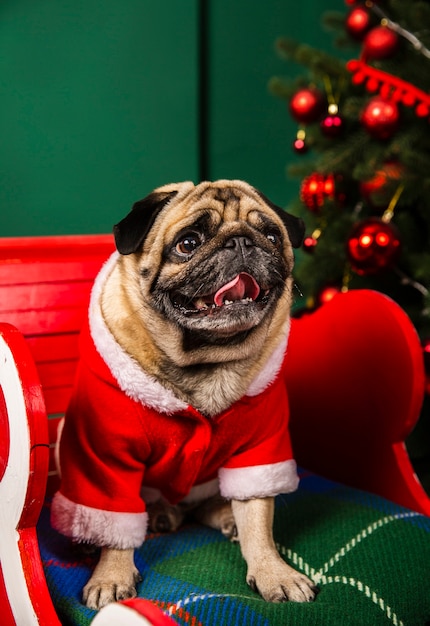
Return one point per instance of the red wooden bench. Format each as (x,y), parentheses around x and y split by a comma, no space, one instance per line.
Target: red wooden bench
(356,383)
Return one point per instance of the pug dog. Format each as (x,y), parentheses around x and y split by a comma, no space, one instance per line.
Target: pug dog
(180,402)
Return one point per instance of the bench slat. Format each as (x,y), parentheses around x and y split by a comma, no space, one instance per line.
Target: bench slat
(43,296)
(33,322)
(35,271)
(47,348)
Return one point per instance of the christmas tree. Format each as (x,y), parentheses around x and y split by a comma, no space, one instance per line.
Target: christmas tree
(363,159)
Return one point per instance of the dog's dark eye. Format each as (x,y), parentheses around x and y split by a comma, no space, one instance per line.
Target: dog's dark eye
(274,238)
(188,243)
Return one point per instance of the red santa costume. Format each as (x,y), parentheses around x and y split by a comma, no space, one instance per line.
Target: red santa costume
(127,440)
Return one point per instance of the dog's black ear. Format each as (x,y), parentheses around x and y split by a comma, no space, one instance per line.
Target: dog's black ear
(131,231)
(295,225)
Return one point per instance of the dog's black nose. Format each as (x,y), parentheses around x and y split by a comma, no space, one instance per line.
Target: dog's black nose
(240,243)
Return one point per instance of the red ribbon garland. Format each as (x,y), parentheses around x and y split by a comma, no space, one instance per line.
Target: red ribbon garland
(390,87)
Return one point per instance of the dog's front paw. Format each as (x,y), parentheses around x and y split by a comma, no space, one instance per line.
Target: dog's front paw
(279,582)
(164,518)
(100,591)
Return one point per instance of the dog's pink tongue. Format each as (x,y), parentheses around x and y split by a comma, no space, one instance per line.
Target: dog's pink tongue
(243,286)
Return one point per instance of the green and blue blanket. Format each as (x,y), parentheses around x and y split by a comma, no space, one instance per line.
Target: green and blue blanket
(370,558)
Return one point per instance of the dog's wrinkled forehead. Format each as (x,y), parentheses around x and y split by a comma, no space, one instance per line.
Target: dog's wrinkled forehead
(221,203)
(228,200)
(233,200)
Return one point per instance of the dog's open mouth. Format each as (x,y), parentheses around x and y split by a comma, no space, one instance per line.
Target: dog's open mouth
(243,289)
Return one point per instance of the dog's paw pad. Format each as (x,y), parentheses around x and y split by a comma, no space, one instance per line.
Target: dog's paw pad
(282,584)
(97,596)
(164,518)
(229,529)
(300,591)
(161,524)
(97,592)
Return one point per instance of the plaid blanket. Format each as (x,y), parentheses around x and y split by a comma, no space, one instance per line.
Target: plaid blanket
(370,558)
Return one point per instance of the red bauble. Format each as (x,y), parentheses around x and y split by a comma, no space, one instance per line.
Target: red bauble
(332,125)
(373,245)
(307,105)
(357,22)
(380,117)
(327,293)
(380,43)
(426,353)
(300,146)
(316,189)
(309,244)
(379,189)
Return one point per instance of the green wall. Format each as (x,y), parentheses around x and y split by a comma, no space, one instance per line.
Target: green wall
(251,131)
(98,106)
(102,100)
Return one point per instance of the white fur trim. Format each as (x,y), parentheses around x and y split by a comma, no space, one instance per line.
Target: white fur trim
(102,528)
(271,369)
(202,492)
(131,378)
(258,481)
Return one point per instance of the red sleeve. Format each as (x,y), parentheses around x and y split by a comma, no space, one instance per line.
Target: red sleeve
(265,466)
(103,446)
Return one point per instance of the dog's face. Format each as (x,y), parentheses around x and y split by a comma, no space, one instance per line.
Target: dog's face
(214,260)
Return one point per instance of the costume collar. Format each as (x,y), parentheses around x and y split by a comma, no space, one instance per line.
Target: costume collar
(133,380)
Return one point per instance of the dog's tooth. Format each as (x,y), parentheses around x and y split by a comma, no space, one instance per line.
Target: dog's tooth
(228,302)
(200,304)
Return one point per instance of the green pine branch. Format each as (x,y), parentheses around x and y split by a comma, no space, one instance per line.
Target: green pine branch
(355,157)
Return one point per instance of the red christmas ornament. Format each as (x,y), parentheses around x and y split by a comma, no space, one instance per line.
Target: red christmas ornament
(380,43)
(380,117)
(373,245)
(327,293)
(306,105)
(309,244)
(299,144)
(316,189)
(426,353)
(389,86)
(357,22)
(379,189)
(332,125)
